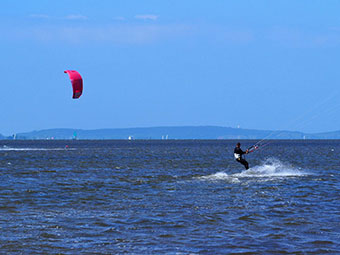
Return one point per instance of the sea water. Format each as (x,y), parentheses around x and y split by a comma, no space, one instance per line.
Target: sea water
(169,197)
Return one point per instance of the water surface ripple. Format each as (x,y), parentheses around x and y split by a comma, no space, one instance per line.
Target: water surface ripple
(168,197)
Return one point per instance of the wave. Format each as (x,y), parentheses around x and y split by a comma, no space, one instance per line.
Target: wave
(270,168)
(5,148)
(218,177)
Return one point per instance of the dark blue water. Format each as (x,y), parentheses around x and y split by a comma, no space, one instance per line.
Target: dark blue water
(168,197)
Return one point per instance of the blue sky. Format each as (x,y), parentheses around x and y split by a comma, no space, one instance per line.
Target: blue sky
(258,64)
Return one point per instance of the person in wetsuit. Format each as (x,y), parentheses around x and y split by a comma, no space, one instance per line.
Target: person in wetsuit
(238,152)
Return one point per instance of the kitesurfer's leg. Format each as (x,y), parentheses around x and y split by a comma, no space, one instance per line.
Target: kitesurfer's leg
(244,162)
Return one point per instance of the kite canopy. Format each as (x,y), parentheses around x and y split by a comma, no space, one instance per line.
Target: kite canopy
(77,83)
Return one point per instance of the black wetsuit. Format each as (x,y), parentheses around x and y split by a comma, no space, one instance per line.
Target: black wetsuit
(240,152)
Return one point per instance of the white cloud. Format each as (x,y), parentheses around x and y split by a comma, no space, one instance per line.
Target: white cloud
(116,34)
(146,33)
(68,17)
(147,17)
(75,17)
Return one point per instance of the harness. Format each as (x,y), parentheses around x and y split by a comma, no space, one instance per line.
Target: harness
(237,156)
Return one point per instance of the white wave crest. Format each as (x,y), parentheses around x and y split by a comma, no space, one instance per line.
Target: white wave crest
(219,176)
(271,167)
(5,148)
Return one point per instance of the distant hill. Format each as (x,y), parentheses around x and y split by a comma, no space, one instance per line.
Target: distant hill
(326,135)
(187,132)
(12,137)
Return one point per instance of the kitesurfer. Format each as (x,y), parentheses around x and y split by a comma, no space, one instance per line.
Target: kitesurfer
(238,152)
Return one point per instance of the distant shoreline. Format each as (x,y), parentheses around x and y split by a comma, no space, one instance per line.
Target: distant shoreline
(170,133)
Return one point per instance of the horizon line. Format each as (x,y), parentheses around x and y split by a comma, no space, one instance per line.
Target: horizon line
(184,126)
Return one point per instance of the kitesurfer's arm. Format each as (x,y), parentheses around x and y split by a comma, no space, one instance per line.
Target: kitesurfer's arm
(241,152)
